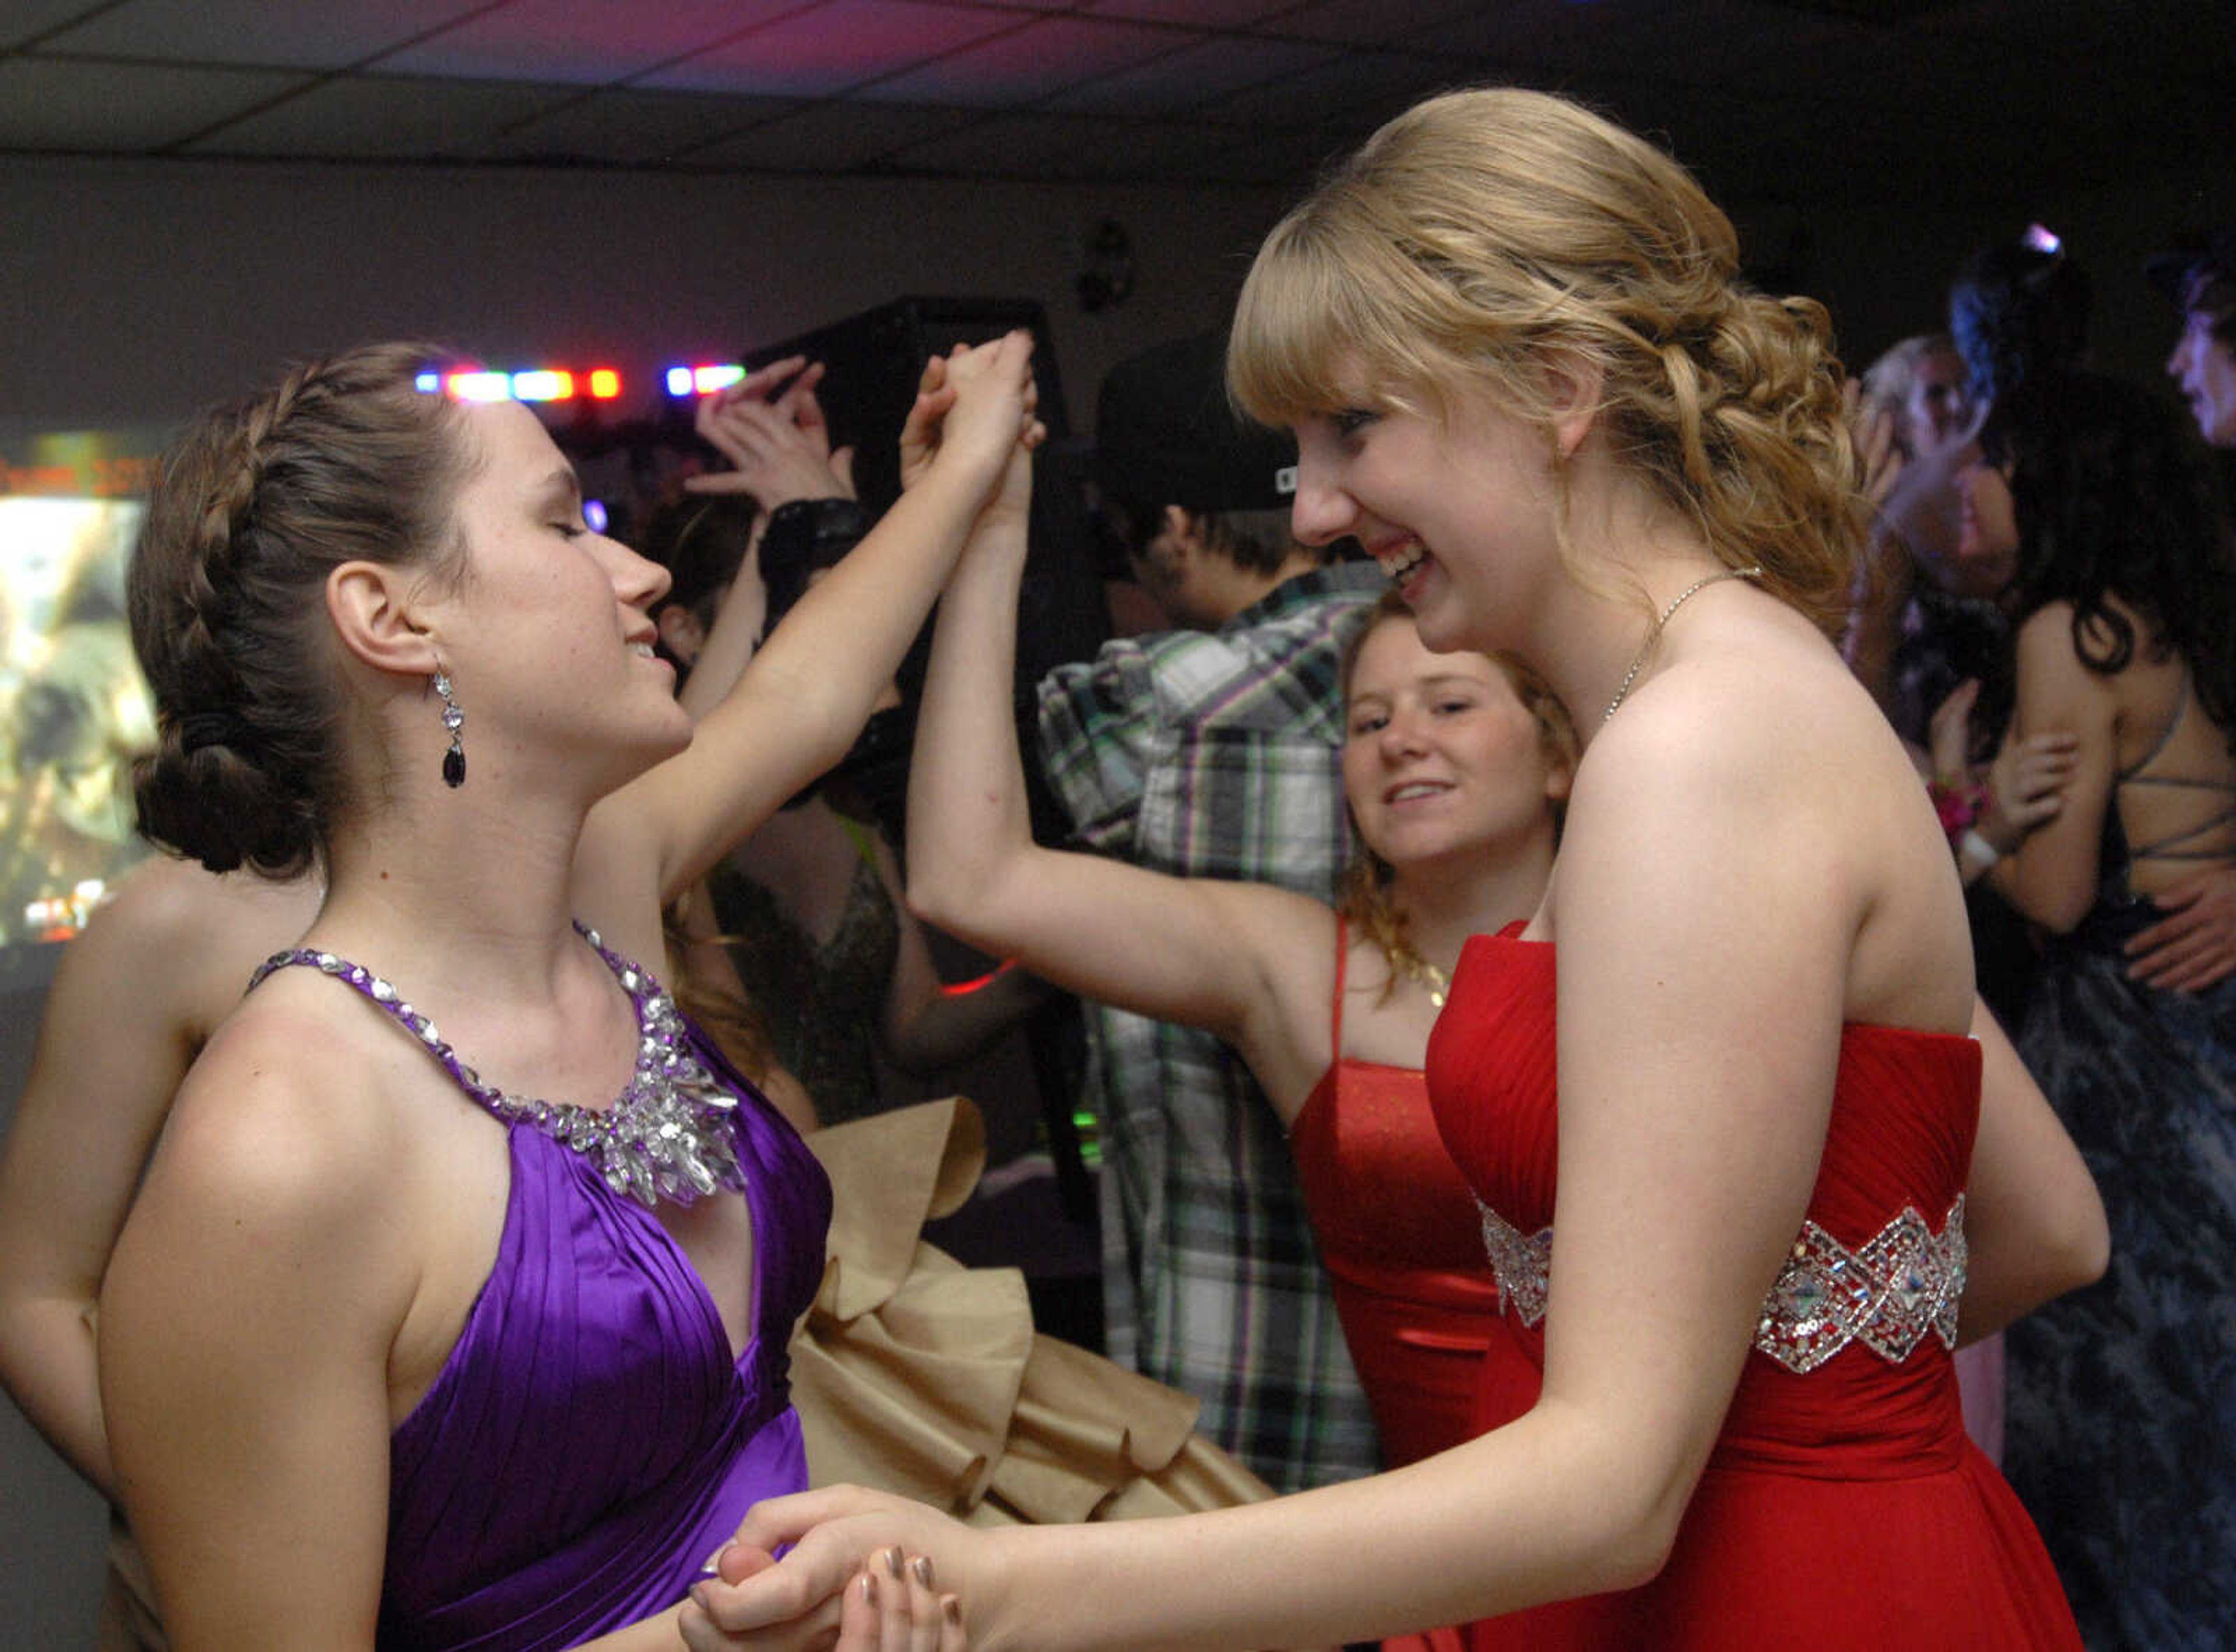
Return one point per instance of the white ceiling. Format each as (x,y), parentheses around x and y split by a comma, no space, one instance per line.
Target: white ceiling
(1770,99)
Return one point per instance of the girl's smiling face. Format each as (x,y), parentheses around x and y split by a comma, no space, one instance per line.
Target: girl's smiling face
(1457,505)
(552,645)
(1440,754)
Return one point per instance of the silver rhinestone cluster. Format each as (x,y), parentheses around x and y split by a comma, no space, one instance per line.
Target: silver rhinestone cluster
(1902,1283)
(668,1136)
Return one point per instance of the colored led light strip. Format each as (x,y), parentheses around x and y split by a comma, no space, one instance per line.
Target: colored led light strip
(532,384)
(703,381)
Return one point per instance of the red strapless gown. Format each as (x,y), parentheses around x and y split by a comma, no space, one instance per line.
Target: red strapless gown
(1843,1508)
(1399,1234)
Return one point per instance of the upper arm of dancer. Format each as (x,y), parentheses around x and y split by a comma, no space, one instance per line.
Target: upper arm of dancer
(245,1325)
(802,700)
(2033,1226)
(2052,876)
(1701,999)
(928,1024)
(120,1026)
(1204,952)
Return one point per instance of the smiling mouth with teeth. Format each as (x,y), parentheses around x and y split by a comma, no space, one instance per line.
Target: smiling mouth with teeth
(1405,562)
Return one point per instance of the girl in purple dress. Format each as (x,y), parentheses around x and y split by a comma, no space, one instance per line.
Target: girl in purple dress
(397,1350)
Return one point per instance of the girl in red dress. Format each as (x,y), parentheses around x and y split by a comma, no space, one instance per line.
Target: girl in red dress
(1794,1164)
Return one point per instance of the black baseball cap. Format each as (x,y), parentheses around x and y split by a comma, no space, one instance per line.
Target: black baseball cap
(1165,433)
(2210,249)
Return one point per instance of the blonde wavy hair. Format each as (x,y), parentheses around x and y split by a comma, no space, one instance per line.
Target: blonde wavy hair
(1364,895)
(1484,236)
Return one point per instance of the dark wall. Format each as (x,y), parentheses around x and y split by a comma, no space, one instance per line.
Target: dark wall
(133,291)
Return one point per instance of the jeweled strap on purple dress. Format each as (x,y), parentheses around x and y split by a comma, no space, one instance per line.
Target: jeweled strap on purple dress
(591,1441)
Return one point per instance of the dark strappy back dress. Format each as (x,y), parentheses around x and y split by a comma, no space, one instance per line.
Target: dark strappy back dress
(2120,1426)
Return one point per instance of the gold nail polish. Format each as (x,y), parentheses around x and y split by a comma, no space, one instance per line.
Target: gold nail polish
(869,1589)
(893,1561)
(923,1564)
(951,1609)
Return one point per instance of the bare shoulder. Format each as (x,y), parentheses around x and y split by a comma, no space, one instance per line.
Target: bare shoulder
(1769,729)
(1762,790)
(2045,636)
(186,940)
(287,1118)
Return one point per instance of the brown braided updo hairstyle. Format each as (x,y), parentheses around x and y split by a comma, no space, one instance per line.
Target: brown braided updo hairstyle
(256,503)
(1481,236)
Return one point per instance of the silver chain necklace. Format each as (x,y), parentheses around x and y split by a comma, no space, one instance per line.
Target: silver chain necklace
(1646,647)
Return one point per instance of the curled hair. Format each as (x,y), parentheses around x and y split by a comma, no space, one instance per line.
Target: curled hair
(2108,502)
(1363,895)
(255,503)
(1485,236)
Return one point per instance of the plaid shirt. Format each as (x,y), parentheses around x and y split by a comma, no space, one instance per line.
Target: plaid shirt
(1216,755)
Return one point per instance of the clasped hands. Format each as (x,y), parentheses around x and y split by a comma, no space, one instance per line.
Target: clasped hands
(867,1572)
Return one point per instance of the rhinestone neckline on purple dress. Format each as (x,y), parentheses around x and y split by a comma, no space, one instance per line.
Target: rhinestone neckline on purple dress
(668,1136)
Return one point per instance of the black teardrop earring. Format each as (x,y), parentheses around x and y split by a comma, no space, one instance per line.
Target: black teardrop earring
(454,718)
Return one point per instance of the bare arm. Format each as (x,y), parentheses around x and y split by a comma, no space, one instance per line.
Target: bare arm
(2052,876)
(1230,957)
(100,1084)
(1667,1241)
(254,1304)
(2033,1223)
(245,1330)
(929,1023)
(799,706)
(780,450)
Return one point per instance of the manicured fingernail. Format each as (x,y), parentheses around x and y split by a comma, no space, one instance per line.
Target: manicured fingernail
(893,1561)
(869,1589)
(923,1564)
(950,1609)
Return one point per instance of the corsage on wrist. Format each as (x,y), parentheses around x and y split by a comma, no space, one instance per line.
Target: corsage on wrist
(1959,803)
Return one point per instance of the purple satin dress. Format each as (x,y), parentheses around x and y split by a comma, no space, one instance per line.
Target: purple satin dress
(589,1442)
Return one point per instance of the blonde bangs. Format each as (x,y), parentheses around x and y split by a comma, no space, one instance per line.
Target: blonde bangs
(1289,330)
(1336,313)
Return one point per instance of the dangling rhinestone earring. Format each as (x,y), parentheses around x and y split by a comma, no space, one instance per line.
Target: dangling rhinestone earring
(454,718)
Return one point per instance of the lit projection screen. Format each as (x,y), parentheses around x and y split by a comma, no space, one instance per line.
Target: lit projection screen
(74,711)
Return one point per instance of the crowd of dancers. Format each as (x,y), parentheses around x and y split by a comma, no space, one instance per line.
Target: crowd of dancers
(1644,816)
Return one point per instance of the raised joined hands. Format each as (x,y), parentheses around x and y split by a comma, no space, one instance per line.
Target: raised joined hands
(974,405)
(779,445)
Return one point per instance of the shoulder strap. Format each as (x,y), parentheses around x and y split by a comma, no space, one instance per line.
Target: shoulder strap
(384,998)
(2134,771)
(1335,1016)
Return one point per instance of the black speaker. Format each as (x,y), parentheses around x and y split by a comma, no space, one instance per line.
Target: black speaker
(872,362)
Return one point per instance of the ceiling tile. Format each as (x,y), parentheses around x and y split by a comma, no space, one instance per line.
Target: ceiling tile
(1379,24)
(592,42)
(297,36)
(627,127)
(1381,82)
(122,108)
(831,137)
(1194,14)
(1194,76)
(377,117)
(1043,58)
(831,48)
(23,20)
(1048,145)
